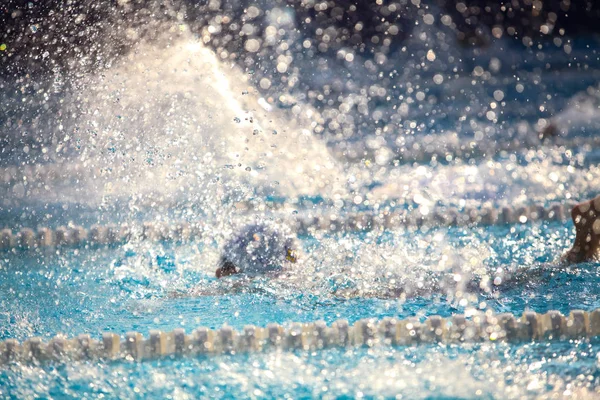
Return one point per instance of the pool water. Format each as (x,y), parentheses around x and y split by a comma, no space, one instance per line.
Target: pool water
(166,286)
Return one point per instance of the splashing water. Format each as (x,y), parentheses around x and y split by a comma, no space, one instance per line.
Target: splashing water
(183,127)
(171,123)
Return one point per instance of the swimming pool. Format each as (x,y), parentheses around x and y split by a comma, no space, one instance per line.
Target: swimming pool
(146,287)
(427,181)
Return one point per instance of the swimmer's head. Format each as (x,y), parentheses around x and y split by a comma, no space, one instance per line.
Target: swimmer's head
(225,269)
(257,249)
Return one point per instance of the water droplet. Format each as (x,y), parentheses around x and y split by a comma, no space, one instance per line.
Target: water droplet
(265,83)
(252,45)
(430,55)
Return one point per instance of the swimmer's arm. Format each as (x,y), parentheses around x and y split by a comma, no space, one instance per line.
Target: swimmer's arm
(586,218)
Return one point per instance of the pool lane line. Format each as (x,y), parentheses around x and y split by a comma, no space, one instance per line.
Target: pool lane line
(99,235)
(477,328)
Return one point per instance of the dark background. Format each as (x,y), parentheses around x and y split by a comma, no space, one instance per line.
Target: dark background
(41,36)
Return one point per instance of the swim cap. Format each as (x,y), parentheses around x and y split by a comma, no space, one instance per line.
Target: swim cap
(260,248)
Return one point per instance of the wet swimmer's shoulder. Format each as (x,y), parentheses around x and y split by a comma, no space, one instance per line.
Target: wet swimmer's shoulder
(258,249)
(586,246)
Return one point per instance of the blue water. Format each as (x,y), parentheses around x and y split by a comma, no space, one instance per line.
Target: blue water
(119,289)
(141,288)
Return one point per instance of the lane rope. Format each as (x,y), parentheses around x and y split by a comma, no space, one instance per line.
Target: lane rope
(480,327)
(97,235)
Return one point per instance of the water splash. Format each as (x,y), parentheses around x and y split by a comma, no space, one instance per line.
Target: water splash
(172,122)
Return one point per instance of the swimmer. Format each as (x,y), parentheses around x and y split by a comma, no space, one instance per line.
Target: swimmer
(259,248)
(586,218)
(268,248)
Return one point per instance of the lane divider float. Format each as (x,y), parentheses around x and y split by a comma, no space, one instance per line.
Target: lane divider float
(97,235)
(480,327)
